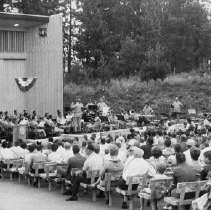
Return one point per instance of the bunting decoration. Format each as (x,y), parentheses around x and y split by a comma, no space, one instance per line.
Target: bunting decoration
(25,83)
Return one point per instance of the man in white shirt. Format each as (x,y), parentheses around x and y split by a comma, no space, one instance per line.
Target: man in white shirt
(147,110)
(67,154)
(77,108)
(93,162)
(6,153)
(177,105)
(190,143)
(61,150)
(18,151)
(54,156)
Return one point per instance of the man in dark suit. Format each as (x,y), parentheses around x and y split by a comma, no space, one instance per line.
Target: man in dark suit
(77,161)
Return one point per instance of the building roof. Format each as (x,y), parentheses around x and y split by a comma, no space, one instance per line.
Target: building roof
(9,20)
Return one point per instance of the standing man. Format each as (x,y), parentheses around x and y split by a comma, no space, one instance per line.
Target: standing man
(177,105)
(147,110)
(77,108)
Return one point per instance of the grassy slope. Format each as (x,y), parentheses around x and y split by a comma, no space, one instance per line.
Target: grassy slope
(194,91)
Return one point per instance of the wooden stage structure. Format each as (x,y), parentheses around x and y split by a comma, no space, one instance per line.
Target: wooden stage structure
(31,46)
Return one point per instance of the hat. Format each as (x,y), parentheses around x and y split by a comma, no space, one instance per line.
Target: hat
(132,142)
(191,142)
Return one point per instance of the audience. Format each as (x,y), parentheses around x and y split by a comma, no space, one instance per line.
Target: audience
(144,153)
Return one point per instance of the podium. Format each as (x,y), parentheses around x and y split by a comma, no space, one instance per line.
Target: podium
(19,132)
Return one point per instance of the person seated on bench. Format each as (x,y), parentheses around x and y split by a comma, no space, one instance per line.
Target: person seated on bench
(54,156)
(133,167)
(76,161)
(168,149)
(93,162)
(182,173)
(207,168)
(6,153)
(113,120)
(172,158)
(157,158)
(37,157)
(113,165)
(161,168)
(35,127)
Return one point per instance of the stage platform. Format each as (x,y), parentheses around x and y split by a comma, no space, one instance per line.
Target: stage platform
(113,133)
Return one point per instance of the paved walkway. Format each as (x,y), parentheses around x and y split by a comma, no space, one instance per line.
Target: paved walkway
(15,196)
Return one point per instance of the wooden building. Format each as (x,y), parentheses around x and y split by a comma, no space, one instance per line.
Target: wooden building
(31,48)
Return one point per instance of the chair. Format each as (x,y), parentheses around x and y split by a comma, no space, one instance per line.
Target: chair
(36,166)
(110,185)
(169,172)
(6,170)
(93,175)
(16,164)
(49,130)
(48,175)
(155,191)
(58,180)
(129,193)
(182,189)
(33,132)
(24,171)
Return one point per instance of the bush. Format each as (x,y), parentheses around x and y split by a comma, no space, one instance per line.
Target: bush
(194,91)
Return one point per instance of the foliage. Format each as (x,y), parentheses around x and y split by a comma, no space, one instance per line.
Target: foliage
(194,91)
(121,32)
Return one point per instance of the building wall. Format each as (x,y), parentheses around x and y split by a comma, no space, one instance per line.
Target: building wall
(44,61)
(11,97)
(43,58)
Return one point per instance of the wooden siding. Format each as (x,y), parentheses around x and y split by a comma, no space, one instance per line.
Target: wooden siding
(11,96)
(42,59)
(46,63)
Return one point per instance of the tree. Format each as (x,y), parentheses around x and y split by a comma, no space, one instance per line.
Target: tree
(182,33)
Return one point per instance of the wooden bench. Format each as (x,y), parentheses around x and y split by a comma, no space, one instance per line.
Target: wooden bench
(169,172)
(16,164)
(129,193)
(50,173)
(93,175)
(24,171)
(4,170)
(58,180)
(110,180)
(156,188)
(184,188)
(36,166)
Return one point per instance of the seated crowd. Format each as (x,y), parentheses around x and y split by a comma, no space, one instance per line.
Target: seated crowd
(78,118)
(186,149)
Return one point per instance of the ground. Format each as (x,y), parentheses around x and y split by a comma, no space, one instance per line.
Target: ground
(22,197)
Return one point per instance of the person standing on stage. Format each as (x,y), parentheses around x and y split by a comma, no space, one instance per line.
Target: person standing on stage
(177,105)
(147,110)
(77,108)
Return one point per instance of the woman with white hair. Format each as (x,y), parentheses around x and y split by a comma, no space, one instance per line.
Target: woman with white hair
(135,166)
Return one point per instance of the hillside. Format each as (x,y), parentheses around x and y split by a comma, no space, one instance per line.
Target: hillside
(194,91)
